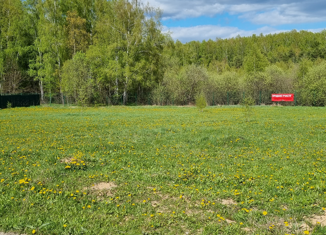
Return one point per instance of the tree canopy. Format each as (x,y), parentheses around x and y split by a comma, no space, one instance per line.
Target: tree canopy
(119,48)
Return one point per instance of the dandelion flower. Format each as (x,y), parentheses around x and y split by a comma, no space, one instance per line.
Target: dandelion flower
(265,213)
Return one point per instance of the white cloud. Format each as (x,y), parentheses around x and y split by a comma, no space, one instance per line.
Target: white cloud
(268,12)
(284,14)
(206,32)
(184,9)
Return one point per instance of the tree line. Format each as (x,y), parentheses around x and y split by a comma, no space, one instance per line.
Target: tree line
(97,50)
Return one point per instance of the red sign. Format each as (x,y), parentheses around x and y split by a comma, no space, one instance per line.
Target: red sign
(283,97)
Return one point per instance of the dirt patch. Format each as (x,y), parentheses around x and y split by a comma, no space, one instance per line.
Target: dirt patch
(318,220)
(290,227)
(68,160)
(247,230)
(160,209)
(192,211)
(228,202)
(155,204)
(103,189)
(229,221)
(104,186)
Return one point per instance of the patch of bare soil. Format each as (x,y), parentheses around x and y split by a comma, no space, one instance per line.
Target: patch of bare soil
(104,186)
(247,230)
(68,160)
(159,207)
(229,221)
(192,211)
(155,203)
(297,227)
(228,202)
(103,189)
(318,220)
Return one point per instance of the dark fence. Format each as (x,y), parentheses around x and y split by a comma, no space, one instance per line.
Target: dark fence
(301,98)
(23,100)
(212,98)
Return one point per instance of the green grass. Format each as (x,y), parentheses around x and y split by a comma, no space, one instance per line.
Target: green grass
(172,167)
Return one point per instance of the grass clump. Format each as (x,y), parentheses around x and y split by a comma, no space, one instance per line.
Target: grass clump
(247,104)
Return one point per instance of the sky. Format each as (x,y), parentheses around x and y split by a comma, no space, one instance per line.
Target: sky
(194,20)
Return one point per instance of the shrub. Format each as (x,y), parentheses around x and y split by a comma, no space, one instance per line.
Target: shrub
(201,101)
(247,104)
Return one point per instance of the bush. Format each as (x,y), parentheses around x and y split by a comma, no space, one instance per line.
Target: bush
(247,104)
(201,101)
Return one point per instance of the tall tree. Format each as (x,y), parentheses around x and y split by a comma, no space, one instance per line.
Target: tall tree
(255,61)
(133,32)
(78,38)
(52,41)
(12,42)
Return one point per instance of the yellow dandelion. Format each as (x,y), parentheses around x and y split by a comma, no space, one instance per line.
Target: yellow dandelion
(265,213)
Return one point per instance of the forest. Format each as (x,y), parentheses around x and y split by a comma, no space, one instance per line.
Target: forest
(99,51)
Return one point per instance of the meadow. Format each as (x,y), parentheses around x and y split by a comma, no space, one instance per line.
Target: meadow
(162,170)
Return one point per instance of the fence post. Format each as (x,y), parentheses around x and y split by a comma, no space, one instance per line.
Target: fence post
(227,97)
(259,97)
(295,98)
(50,99)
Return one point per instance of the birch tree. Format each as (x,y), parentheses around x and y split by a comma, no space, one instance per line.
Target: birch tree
(133,32)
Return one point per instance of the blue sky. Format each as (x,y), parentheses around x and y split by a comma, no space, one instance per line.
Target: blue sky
(211,19)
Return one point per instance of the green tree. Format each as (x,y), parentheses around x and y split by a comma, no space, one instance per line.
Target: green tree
(14,42)
(133,33)
(78,38)
(255,61)
(77,79)
(314,86)
(52,41)
(201,102)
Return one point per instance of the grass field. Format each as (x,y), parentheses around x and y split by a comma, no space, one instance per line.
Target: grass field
(162,170)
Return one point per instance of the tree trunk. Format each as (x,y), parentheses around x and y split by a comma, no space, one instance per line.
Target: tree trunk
(125,94)
(116,79)
(61,93)
(42,91)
